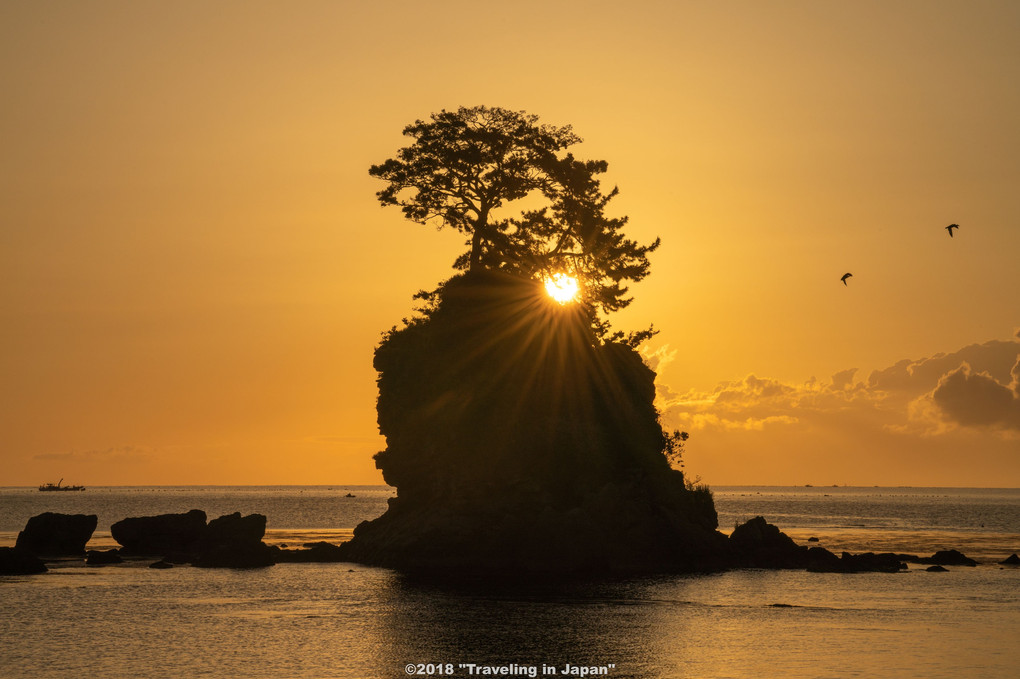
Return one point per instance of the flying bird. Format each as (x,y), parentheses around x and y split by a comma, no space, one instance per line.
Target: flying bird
(950,229)
(844,277)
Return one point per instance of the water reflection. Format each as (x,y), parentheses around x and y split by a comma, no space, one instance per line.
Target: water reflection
(531,624)
(342,620)
(737,624)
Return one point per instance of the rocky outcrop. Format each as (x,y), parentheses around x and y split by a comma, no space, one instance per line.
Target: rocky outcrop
(52,534)
(233,530)
(14,561)
(759,544)
(821,560)
(518,442)
(234,541)
(230,541)
(159,535)
(1012,560)
(948,557)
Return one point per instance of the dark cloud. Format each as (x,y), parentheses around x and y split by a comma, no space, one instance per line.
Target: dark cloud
(978,400)
(995,358)
(844,378)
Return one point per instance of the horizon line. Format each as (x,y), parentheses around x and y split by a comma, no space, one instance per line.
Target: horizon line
(383,485)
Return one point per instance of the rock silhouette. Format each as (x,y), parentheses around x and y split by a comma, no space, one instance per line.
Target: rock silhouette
(234,541)
(230,541)
(949,557)
(518,442)
(18,562)
(53,534)
(159,535)
(759,544)
(821,560)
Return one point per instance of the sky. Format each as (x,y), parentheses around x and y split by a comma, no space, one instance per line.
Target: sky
(194,269)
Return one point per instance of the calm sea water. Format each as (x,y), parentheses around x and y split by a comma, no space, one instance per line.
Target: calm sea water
(345,620)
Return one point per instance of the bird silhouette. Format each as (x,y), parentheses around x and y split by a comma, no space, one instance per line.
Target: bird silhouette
(950,229)
(844,277)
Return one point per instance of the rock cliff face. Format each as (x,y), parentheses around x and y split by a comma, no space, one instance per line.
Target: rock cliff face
(516,441)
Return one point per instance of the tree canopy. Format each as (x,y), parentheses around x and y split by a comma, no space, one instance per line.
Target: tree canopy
(526,205)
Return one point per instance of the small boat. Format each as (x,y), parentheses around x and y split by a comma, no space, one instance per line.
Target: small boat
(57,486)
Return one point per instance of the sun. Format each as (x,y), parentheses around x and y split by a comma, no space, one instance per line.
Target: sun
(562,288)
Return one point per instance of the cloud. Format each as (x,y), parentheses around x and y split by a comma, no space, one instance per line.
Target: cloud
(996,358)
(712,420)
(904,424)
(657,360)
(843,378)
(979,400)
(751,404)
(119,453)
(977,387)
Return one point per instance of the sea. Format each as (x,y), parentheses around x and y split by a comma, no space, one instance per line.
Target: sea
(352,621)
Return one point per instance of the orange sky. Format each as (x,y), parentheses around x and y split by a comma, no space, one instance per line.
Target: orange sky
(194,270)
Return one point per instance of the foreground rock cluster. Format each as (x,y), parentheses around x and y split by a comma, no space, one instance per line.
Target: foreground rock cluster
(235,541)
(758,544)
(230,541)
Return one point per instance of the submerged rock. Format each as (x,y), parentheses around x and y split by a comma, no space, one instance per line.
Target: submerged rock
(869,562)
(821,560)
(14,561)
(937,569)
(162,565)
(314,552)
(53,534)
(159,535)
(100,558)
